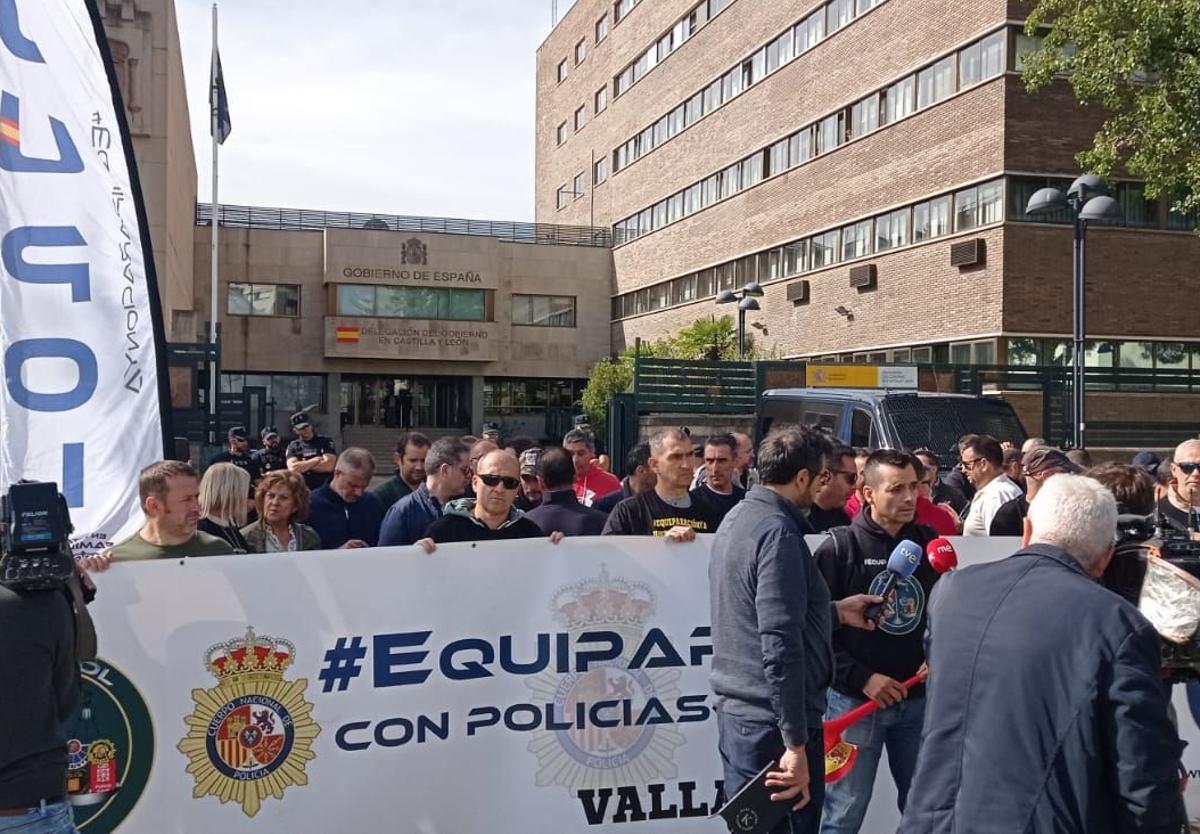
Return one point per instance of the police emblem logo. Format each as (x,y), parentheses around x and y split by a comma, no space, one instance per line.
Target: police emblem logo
(636,738)
(251,736)
(747,819)
(903,610)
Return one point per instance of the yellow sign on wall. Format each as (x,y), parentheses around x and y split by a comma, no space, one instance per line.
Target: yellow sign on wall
(860,376)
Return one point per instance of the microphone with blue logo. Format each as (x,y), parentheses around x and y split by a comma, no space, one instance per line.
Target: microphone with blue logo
(900,566)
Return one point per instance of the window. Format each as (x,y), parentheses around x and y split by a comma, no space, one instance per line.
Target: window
(824,249)
(794,260)
(580,51)
(602,28)
(579,186)
(622,8)
(1026,45)
(561,133)
(1135,207)
(966,209)
(801,146)
(780,51)
(864,6)
(935,83)
(970,65)
(831,132)
(891,230)
(840,13)
(778,157)
(991,202)
(623,81)
(264,300)
(865,116)
(580,117)
(562,197)
(810,32)
(752,170)
(856,240)
(601,99)
(412,302)
(562,70)
(992,49)
(931,219)
(543,310)
(898,100)
(600,170)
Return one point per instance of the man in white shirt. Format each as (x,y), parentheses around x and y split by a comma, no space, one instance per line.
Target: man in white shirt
(982,461)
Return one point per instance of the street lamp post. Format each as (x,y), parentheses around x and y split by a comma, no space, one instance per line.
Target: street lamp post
(747,299)
(1089,202)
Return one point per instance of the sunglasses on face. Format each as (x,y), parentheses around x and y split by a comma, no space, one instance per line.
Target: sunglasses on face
(1188,468)
(968,465)
(508,481)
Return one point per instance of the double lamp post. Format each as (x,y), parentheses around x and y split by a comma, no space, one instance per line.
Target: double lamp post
(1089,201)
(747,299)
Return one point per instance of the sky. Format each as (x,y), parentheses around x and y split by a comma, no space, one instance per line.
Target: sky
(414,107)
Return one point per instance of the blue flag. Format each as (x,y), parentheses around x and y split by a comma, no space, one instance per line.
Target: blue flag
(220,105)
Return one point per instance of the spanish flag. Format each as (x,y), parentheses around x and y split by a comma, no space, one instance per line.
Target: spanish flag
(347,333)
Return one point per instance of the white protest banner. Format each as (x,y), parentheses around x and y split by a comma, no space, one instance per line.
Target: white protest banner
(78,304)
(514,686)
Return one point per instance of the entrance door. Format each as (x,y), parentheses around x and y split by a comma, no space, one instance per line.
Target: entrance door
(256,409)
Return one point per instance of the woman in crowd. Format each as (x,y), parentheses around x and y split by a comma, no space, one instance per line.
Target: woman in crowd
(223,491)
(282,502)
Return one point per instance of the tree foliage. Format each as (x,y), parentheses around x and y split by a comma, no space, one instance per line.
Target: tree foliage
(1140,61)
(708,338)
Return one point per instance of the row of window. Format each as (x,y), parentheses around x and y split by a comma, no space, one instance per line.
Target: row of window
(794,41)
(674,38)
(980,61)
(959,211)
(1137,210)
(529,396)
(288,392)
(565,195)
(264,300)
(1031,351)
(620,9)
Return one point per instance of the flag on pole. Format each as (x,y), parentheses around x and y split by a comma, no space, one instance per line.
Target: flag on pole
(217,100)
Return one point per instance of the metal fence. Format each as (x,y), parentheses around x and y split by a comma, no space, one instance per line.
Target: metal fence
(258,217)
(698,387)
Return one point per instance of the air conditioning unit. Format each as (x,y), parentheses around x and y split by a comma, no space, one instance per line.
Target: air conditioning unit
(797,292)
(968,253)
(864,277)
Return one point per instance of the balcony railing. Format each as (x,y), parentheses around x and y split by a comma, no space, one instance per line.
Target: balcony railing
(258,217)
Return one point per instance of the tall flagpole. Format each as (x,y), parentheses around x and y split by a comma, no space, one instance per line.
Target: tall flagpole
(214,219)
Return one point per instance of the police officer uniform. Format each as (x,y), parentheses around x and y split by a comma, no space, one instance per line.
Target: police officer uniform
(270,458)
(315,447)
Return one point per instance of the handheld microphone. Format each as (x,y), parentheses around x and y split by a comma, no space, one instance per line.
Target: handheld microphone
(942,556)
(900,566)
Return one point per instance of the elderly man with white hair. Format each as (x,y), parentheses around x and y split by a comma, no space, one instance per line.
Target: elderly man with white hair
(1045,707)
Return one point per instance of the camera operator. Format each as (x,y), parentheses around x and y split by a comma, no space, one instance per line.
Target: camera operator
(43,635)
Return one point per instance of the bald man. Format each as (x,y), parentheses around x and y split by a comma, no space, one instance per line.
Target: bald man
(1180,507)
(490,515)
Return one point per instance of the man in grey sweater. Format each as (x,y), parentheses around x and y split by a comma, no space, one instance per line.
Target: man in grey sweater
(772,625)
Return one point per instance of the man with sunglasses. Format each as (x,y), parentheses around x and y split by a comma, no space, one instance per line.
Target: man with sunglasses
(981,459)
(490,515)
(835,485)
(447,472)
(1180,507)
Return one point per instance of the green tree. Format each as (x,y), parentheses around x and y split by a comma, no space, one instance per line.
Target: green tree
(1140,61)
(711,338)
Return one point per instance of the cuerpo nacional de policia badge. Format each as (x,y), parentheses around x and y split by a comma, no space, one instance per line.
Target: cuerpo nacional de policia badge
(251,735)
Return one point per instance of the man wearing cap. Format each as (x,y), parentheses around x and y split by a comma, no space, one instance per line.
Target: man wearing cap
(560,509)
(491,431)
(409,456)
(270,457)
(310,454)
(531,487)
(1038,464)
(239,455)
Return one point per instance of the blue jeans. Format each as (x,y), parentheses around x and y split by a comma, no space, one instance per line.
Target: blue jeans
(899,729)
(747,746)
(55,818)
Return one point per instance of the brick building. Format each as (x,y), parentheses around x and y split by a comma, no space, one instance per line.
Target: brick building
(868,163)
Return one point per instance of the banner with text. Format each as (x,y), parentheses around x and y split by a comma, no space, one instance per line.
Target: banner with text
(80,403)
(513,686)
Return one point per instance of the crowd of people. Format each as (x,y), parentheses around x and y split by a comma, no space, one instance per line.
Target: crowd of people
(759,505)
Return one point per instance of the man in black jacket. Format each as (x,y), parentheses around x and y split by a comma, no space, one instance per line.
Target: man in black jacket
(560,509)
(490,515)
(1047,710)
(640,478)
(872,665)
(39,643)
(771,623)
